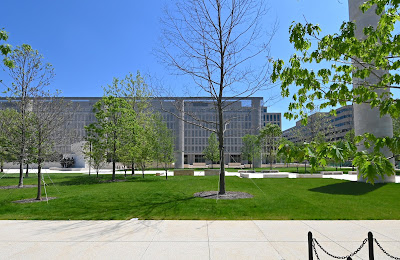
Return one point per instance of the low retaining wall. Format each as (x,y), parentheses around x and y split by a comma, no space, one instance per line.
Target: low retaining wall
(331,172)
(279,175)
(245,175)
(211,172)
(199,165)
(184,173)
(308,175)
(246,171)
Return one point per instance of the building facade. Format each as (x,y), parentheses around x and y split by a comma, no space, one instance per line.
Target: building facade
(190,120)
(332,128)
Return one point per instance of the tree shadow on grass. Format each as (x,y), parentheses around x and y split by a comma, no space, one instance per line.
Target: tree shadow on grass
(348,188)
(149,208)
(88,180)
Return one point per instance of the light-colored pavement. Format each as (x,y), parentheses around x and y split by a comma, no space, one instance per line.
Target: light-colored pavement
(170,239)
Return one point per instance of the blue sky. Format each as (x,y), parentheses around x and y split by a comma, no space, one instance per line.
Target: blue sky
(90,42)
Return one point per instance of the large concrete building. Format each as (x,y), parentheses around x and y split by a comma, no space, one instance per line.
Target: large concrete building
(333,128)
(242,115)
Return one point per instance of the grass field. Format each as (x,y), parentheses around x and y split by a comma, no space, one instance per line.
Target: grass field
(83,197)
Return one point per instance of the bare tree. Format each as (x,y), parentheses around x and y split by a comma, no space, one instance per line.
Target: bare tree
(215,42)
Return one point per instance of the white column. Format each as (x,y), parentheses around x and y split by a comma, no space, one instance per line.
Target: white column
(180,142)
(367,120)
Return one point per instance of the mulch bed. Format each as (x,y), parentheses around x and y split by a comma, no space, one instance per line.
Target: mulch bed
(34,200)
(16,187)
(229,195)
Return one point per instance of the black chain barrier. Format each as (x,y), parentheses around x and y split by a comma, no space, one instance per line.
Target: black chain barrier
(384,251)
(340,257)
(312,249)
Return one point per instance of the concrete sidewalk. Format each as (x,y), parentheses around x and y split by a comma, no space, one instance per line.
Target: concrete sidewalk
(170,239)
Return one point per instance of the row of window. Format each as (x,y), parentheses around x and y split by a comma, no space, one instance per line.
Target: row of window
(341,117)
(344,123)
(199,158)
(276,123)
(200,149)
(273,117)
(344,110)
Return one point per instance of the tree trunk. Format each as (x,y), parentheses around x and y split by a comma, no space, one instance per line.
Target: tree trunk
(90,157)
(27,171)
(1,166)
(133,168)
(221,149)
(113,170)
(114,155)
(254,157)
(39,190)
(125,171)
(143,172)
(21,173)
(166,173)
(270,161)
(97,173)
(305,166)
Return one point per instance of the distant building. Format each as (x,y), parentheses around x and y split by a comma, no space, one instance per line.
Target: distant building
(333,128)
(244,115)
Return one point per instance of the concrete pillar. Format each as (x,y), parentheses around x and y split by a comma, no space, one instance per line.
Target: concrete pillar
(256,123)
(180,131)
(365,118)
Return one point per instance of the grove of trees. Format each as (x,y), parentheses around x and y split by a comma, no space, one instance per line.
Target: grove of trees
(33,119)
(126,130)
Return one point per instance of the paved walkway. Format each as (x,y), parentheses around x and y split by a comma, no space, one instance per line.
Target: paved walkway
(168,239)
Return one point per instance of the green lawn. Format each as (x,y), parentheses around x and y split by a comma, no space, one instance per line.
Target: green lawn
(83,197)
